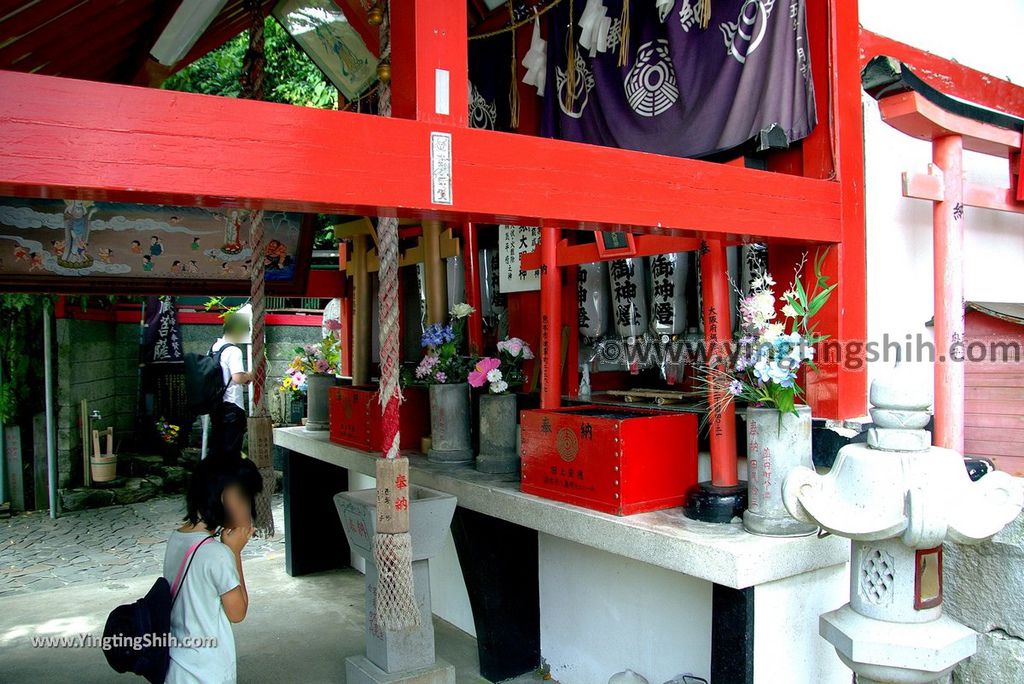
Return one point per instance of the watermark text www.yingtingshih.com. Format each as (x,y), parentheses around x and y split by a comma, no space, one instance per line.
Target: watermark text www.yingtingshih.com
(850,354)
(135,643)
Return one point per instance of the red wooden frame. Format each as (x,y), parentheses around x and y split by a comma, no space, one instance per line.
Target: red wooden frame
(57,137)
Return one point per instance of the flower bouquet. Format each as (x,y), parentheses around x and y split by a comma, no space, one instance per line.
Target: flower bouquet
(498,415)
(770,351)
(315,369)
(764,371)
(168,432)
(444,369)
(504,371)
(442,362)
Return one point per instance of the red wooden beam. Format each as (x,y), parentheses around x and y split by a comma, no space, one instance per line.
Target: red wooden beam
(430,61)
(67,138)
(946,75)
(948,280)
(717,316)
(471,259)
(550,322)
(929,186)
(912,114)
(574,255)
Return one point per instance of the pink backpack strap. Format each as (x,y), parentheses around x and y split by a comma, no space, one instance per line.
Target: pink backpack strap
(181,569)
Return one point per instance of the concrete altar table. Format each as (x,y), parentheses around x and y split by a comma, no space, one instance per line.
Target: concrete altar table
(593,593)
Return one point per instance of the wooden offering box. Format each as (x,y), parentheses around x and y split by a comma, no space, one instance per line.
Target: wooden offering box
(356,418)
(610,459)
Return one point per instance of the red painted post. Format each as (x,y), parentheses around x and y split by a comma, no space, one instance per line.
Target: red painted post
(550,320)
(714,271)
(471,259)
(430,61)
(948,218)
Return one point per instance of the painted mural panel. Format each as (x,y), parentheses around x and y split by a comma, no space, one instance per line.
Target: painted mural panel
(81,238)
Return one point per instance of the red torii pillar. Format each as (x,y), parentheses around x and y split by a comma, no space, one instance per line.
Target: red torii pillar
(723,497)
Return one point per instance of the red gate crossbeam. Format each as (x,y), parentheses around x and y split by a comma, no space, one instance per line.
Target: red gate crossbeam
(574,255)
(946,75)
(945,185)
(67,138)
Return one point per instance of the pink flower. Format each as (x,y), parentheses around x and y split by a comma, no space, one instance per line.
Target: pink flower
(332,324)
(322,366)
(478,376)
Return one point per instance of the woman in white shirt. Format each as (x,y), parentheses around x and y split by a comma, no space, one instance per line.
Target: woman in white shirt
(220,504)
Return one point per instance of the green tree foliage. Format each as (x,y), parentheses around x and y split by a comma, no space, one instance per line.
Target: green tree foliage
(291,77)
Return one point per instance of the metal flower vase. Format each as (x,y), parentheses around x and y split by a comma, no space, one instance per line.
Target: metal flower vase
(317,386)
(777,443)
(450,424)
(498,432)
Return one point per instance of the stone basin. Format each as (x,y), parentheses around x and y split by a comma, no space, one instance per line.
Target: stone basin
(430,514)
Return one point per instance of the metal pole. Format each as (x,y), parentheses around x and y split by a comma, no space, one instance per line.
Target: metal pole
(714,283)
(51,436)
(948,253)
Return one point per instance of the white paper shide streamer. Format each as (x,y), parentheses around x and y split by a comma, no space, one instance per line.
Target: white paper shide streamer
(595,24)
(536,60)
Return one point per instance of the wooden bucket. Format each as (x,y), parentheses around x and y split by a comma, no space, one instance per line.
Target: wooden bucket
(103,468)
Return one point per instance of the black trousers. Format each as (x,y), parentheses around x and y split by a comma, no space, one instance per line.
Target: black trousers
(227,431)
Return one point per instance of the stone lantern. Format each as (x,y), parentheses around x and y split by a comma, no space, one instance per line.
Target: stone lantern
(898,498)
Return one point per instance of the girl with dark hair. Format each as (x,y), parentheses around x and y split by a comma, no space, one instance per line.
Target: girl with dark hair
(221,504)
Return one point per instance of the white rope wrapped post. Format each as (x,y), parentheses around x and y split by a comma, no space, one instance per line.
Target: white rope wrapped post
(261,433)
(395,597)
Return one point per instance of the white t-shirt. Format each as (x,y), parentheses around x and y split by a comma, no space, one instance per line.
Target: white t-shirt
(231,362)
(198,613)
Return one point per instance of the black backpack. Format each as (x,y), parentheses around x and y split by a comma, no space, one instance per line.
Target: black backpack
(135,636)
(204,381)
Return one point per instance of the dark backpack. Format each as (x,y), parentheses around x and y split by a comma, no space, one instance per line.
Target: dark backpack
(204,381)
(130,624)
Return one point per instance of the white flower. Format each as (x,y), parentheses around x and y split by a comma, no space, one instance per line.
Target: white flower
(493,375)
(771,332)
(768,280)
(461,310)
(788,311)
(499,387)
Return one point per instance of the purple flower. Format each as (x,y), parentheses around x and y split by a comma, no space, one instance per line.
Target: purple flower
(440,377)
(735,388)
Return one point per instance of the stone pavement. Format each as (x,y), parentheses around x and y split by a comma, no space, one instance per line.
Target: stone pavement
(116,542)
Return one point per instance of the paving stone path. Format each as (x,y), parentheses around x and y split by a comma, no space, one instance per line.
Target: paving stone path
(112,543)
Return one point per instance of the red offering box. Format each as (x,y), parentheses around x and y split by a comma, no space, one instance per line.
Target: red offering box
(356,418)
(610,459)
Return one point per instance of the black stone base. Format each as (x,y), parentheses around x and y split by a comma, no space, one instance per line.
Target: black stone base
(711,503)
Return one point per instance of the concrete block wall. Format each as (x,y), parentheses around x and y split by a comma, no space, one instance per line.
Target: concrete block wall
(98,361)
(984,589)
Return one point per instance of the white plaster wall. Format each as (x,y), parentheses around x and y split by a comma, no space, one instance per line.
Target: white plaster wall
(787,647)
(601,613)
(899,231)
(448,596)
